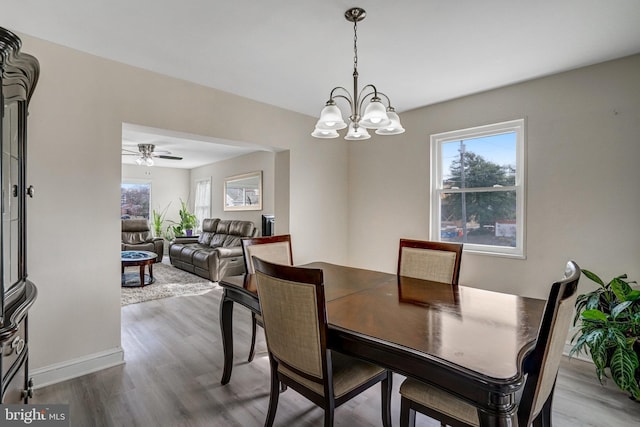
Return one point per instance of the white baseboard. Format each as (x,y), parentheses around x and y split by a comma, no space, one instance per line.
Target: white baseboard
(77,367)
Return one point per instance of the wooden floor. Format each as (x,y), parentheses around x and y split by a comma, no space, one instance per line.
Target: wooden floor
(173,367)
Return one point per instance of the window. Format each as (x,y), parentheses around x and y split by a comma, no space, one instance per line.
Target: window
(477,188)
(203,201)
(135,198)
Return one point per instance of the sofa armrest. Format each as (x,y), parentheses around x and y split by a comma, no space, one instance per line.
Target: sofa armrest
(229,252)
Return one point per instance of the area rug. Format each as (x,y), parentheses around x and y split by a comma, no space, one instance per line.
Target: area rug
(170,282)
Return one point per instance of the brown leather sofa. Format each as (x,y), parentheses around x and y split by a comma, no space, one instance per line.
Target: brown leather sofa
(136,236)
(217,252)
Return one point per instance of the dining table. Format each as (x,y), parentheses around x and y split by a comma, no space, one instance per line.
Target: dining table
(468,341)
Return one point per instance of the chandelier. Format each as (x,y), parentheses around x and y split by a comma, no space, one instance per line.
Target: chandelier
(376,116)
(146,151)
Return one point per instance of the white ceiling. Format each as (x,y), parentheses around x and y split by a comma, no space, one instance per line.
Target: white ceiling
(195,150)
(291,53)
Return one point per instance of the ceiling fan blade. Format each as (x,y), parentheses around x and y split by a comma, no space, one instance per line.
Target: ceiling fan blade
(168,157)
(131,151)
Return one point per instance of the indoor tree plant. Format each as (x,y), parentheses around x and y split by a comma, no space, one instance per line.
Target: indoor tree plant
(610,329)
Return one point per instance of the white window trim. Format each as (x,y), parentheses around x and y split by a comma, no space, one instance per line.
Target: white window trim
(517,126)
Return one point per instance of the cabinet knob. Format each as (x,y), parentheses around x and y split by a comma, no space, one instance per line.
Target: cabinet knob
(31,191)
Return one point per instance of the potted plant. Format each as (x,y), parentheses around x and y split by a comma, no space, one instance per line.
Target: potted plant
(187,224)
(610,329)
(157,221)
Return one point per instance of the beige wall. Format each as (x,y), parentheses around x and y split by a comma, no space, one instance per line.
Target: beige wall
(75,127)
(583,148)
(282,193)
(260,161)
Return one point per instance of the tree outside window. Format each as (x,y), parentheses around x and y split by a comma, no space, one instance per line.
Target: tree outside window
(135,200)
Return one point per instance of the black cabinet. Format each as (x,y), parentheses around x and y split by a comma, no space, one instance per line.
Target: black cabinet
(18,77)
(268,225)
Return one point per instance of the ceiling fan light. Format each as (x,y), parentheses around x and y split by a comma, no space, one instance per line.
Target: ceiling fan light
(148,161)
(139,161)
(325,133)
(394,127)
(375,115)
(331,118)
(356,133)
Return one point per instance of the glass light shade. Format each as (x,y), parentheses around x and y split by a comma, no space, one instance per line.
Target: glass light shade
(393,128)
(139,161)
(375,116)
(325,133)
(331,118)
(148,161)
(354,134)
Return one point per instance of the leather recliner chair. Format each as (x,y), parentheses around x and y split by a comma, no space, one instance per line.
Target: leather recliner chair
(136,236)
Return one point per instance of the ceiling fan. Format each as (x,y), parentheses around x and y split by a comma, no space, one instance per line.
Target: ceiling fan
(146,154)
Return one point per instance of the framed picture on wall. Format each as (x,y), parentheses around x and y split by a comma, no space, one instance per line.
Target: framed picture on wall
(243,192)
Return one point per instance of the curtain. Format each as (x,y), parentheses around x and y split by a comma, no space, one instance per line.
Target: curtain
(203,201)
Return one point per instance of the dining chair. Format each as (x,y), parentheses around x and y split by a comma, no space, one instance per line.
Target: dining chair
(295,323)
(541,368)
(270,248)
(436,261)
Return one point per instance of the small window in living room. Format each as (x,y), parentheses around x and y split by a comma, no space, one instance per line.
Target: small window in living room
(203,201)
(135,198)
(477,188)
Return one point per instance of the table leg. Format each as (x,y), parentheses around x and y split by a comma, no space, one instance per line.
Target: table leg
(504,415)
(226,325)
(142,275)
(151,273)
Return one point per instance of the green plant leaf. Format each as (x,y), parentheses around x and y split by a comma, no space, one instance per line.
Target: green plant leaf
(623,365)
(594,277)
(620,308)
(595,341)
(594,314)
(634,295)
(620,288)
(579,345)
(594,300)
(616,337)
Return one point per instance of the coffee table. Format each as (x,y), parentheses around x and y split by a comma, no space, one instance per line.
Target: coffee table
(137,258)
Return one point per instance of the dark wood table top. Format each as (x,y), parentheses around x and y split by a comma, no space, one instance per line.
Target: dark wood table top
(481,333)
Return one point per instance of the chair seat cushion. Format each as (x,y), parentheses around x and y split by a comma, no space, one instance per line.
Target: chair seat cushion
(348,373)
(201,258)
(439,400)
(188,251)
